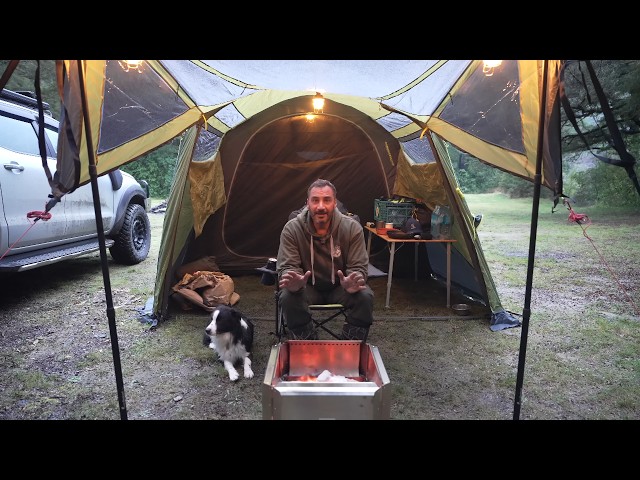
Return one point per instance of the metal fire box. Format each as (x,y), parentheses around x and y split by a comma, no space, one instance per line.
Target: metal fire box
(292,391)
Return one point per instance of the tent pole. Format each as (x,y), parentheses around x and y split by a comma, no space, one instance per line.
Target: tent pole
(111,313)
(526,313)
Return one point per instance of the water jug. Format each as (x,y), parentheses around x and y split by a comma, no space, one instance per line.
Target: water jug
(445,224)
(436,219)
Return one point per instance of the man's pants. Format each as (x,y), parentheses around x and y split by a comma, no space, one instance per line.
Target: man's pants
(295,306)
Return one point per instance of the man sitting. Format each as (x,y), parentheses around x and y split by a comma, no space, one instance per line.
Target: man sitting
(322,258)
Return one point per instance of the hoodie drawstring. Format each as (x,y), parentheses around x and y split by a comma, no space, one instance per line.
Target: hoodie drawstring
(333,273)
(313,272)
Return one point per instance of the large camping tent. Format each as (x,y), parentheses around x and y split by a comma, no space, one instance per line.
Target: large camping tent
(250,147)
(387,129)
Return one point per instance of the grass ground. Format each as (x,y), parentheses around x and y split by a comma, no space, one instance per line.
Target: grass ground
(582,345)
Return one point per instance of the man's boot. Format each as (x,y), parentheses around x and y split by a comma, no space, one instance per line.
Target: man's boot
(351,332)
(305,332)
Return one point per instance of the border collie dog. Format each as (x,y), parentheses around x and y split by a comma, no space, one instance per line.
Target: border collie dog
(231,336)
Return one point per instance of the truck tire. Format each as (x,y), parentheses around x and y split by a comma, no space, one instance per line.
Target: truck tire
(134,240)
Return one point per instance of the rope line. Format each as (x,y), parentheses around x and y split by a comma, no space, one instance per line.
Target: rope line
(37,215)
(584,221)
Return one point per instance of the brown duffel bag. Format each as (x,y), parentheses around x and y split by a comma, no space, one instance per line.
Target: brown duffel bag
(207,289)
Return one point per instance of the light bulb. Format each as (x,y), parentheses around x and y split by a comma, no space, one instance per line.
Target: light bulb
(489,66)
(318,103)
(128,65)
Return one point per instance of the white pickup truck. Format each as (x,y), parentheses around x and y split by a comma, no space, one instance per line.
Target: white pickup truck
(29,238)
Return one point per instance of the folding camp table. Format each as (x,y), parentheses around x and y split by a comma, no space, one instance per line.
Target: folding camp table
(393,241)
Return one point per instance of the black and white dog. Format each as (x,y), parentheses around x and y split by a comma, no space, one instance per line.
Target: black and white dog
(231,336)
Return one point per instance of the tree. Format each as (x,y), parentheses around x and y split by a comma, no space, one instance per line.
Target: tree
(24,78)
(158,168)
(601,112)
(620,81)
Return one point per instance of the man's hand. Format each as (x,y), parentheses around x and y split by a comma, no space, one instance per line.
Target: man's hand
(293,281)
(352,283)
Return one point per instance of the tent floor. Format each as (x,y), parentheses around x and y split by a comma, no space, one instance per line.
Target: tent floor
(421,299)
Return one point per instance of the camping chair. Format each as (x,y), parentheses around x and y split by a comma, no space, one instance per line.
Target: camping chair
(321,314)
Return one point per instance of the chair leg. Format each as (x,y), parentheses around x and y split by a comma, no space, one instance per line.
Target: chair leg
(320,323)
(310,331)
(351,332)
(307,332)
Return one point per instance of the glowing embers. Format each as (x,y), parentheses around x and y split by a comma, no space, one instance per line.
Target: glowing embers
(325,377)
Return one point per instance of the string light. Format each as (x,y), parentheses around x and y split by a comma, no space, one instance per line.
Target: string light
(489,66)
(318,103)
(128,65)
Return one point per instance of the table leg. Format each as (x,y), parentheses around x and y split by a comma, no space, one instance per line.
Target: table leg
(390,274)
(448,274)
(369,244)
(415,262)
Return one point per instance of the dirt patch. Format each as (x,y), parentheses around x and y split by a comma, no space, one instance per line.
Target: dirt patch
(58,361)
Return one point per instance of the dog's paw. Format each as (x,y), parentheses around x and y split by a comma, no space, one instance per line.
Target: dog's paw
(248,373)
(233,375)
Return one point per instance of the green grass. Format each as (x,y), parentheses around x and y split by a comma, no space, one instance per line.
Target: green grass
(582,357)
(584,330)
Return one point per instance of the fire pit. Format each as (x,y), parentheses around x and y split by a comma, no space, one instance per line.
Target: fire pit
(318,379)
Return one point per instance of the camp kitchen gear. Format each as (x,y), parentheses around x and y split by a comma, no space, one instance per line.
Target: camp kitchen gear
(291,389)
(461,309)
(392,211)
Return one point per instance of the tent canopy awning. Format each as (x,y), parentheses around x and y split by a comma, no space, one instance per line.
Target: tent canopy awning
(494,118)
